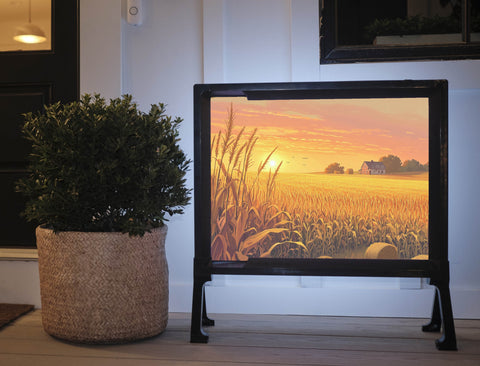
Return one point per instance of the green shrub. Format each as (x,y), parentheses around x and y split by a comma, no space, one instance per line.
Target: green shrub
(416,25)
(103,167)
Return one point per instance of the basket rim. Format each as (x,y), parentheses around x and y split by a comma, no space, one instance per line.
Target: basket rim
(44,227)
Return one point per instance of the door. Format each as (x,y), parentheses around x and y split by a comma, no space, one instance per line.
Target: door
(30,77)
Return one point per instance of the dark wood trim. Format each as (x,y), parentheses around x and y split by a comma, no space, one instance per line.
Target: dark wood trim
(332,53)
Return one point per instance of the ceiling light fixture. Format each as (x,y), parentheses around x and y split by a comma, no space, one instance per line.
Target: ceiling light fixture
(30,33)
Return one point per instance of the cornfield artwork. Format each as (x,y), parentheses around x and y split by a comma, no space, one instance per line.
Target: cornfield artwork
(319,178)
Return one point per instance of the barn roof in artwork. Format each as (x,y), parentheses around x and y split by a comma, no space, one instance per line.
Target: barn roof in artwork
(374,165)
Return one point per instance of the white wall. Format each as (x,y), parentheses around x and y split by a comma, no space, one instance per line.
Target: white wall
(183,42)
(101,47)
(162,61)
(277,40)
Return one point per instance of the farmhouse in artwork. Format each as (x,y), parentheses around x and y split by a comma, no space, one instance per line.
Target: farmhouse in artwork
(372,168)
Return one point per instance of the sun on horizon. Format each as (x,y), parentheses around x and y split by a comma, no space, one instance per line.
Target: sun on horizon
(311,134)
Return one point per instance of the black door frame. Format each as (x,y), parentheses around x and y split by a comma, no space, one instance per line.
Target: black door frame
(29,80)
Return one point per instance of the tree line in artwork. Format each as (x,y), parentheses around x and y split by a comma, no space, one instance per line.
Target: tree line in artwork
(392,163)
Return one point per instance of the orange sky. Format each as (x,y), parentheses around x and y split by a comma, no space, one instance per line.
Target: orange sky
(310,134)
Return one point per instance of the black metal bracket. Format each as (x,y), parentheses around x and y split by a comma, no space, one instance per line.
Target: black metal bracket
(442,317)
(442,314)
(199,304)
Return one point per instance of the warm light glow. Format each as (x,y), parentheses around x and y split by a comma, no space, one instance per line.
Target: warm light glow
(272,163)
(29,38)
(30,33)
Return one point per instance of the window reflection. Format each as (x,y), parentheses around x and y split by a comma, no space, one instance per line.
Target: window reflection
(403,22)
(25,25)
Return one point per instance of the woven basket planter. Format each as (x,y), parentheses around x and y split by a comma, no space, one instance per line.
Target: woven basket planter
(103,287)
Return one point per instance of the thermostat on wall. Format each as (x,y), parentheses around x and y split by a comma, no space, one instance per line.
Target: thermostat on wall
(134,12)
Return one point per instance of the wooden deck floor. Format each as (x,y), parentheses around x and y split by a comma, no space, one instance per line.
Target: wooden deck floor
(253,340)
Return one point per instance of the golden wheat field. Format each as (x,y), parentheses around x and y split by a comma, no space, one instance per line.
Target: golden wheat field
(262,212)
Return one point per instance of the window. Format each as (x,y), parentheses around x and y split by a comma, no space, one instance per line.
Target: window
(25,25)
(398,30)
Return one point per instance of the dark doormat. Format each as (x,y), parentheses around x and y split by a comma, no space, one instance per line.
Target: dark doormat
(10,312)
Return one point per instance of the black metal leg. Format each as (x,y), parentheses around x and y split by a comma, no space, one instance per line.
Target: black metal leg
(435,324)
(206,321)
(197,334)
(448,341)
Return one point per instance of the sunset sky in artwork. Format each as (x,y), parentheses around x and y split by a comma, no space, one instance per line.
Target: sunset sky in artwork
(311,134)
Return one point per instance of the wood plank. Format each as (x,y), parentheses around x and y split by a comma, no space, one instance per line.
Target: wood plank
(245,327)
(226,354)
(251,340)
(182,320)
(254,319)
(362,343)
(27,360)
(175,345)
(325,326)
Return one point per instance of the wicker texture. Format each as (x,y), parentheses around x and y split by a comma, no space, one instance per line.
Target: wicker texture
(103,287)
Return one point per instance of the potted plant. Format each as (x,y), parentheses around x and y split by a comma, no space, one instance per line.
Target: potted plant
(103,178)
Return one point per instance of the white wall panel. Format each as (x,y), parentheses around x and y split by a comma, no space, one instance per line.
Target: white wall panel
(162,62)
(257,41)
(101,47)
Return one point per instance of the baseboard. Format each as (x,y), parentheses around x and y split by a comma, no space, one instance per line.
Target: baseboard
(13,254)
(19,283)
(368,301)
